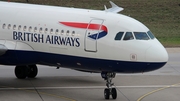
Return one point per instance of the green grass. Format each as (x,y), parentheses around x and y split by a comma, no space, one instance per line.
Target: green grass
(161,16)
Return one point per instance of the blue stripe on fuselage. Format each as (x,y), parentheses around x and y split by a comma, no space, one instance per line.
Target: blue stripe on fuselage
(17,57)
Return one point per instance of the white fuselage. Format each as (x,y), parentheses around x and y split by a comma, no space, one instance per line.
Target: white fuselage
(71,32)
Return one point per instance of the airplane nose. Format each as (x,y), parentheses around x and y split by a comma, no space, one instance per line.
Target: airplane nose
(156,53)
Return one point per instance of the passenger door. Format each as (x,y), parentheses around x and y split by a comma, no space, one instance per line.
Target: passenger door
(91,35)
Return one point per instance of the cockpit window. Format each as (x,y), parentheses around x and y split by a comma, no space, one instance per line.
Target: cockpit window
(128,36)
(119,36)
(150,34)
(141,35)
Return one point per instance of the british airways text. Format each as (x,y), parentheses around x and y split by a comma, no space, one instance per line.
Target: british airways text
(41,38)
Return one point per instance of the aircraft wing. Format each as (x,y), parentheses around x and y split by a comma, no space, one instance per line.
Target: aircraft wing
(114,8)
(6,45)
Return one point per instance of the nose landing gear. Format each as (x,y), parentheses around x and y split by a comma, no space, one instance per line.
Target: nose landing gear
(109,90)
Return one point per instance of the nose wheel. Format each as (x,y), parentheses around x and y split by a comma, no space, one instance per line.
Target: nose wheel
(109,90)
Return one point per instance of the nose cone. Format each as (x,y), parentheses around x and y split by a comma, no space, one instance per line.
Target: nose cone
(156,53)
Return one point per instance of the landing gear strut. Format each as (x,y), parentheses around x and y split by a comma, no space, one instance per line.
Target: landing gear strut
(109,90)
(29,71)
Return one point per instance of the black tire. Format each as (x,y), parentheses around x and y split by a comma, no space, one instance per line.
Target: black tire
(106,93)
(21,72)
(114,93)
(33,71)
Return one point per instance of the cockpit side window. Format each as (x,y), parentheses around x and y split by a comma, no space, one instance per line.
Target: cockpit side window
(141,36)
(119,36)
(150,34)
(128,36)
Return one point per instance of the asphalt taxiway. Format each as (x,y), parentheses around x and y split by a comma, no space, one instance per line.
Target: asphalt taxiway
(62,84)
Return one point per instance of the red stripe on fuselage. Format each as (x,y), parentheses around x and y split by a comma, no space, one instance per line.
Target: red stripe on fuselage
(85,25)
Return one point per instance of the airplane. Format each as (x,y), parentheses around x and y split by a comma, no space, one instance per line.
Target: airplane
(97,41)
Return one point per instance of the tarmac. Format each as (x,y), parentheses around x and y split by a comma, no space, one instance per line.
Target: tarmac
(62,84)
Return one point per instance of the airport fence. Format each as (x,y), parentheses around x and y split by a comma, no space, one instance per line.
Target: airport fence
(161,16)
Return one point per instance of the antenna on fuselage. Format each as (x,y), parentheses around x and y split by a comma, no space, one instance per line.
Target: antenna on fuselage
(114,8)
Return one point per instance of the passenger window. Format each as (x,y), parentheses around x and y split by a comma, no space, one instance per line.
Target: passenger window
(62,32)
(73,33)
(46,30)
(150,34)
(19,28)
(35,29)
(9,26)
(14,27)
(30,29)
(40,30)
(4,25)
(51,31)
(119,36)
(25,28)
(128,36)
(57,31)
(141,36)
(67,32)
